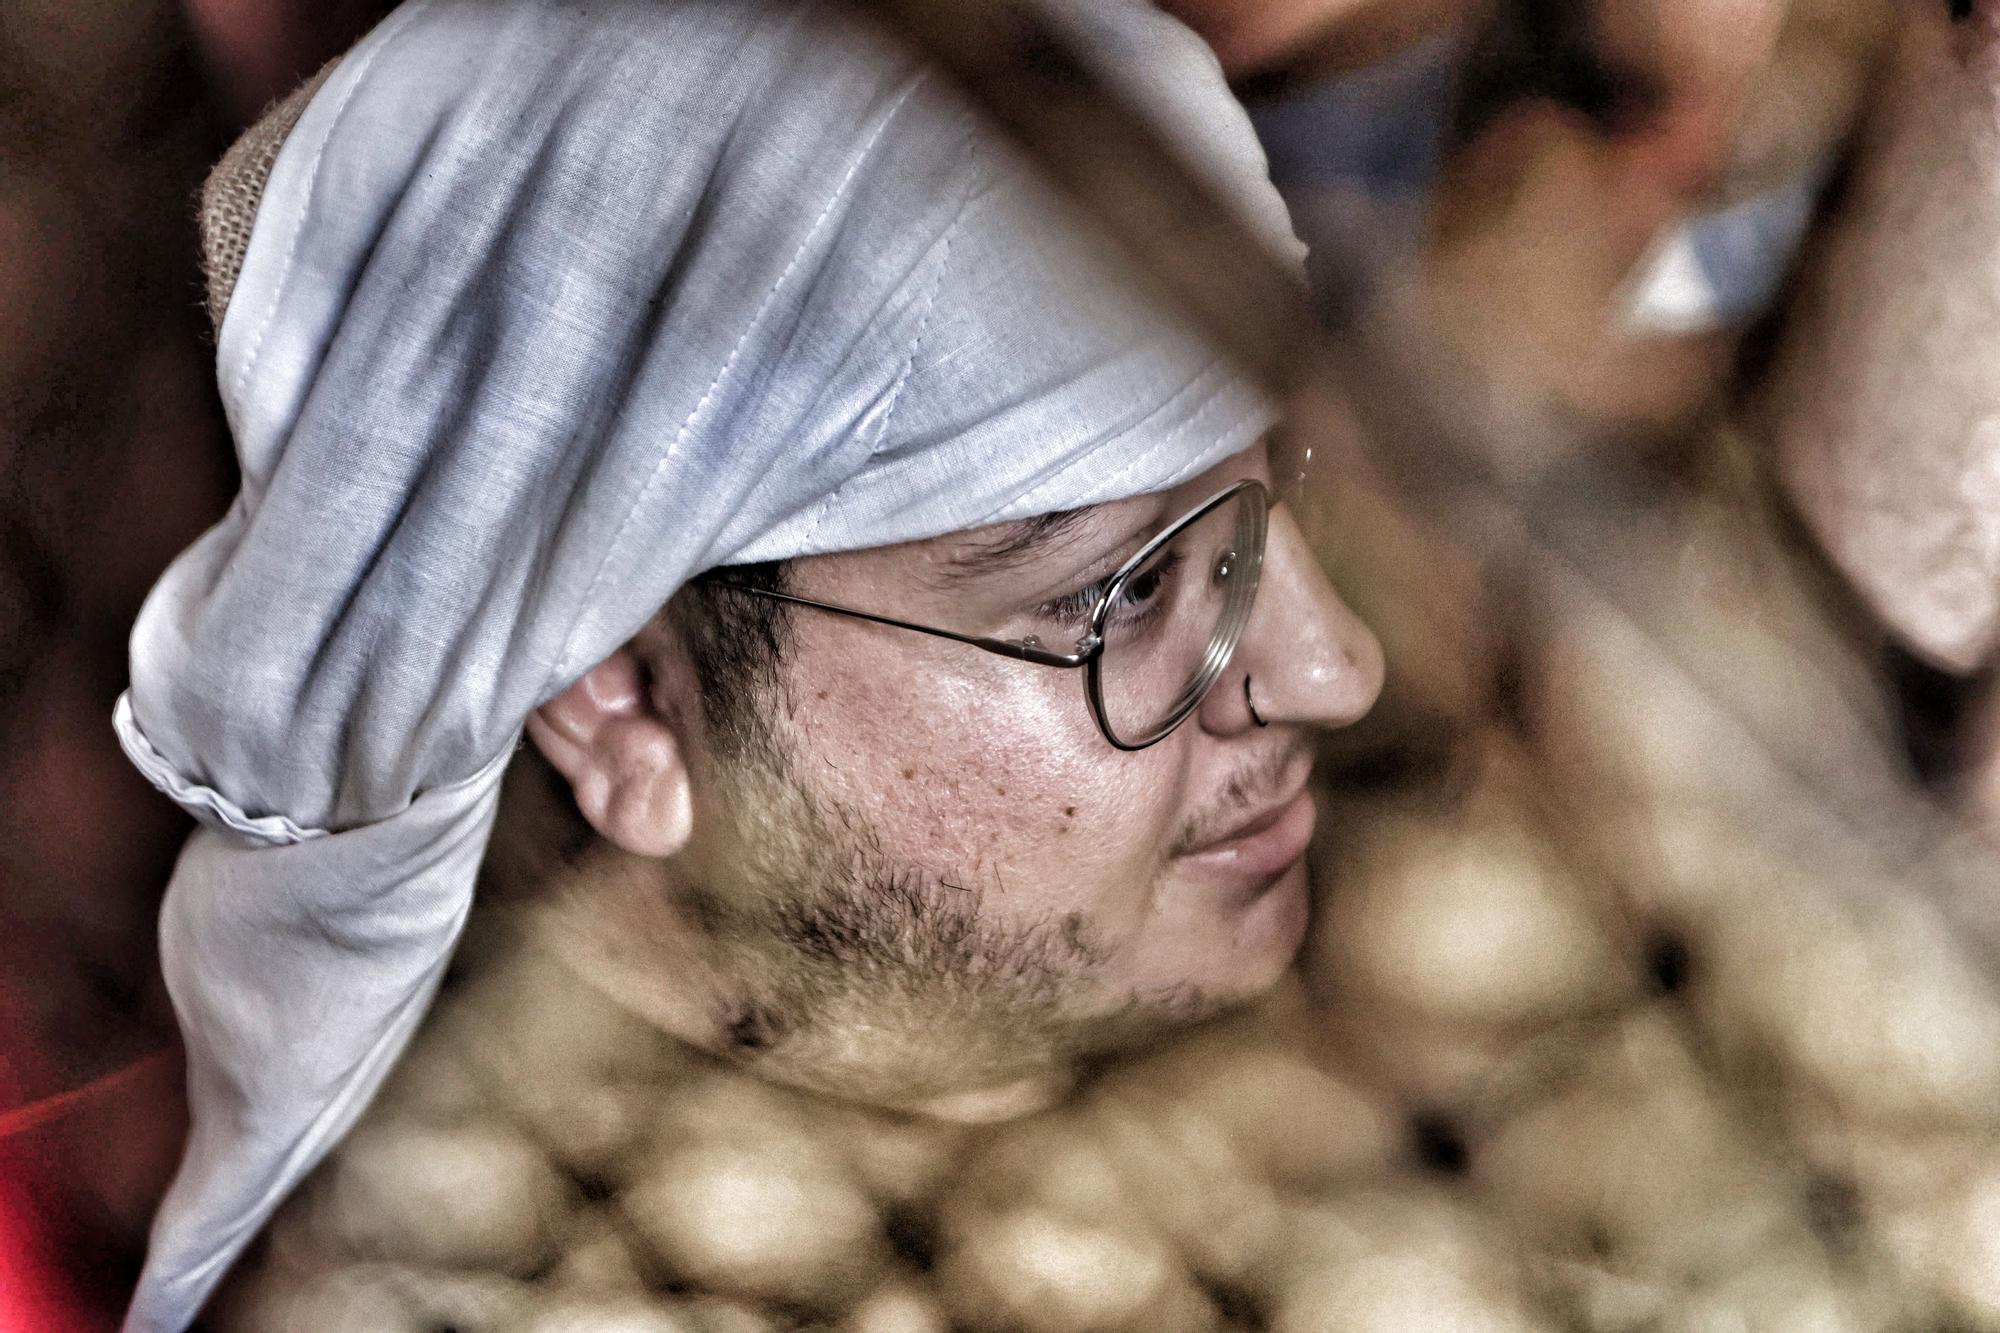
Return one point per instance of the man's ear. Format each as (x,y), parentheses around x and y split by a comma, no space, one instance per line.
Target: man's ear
(623,762)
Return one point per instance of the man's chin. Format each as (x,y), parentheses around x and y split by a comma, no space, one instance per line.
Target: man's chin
(1004,1057)
(896,1083)
(1233,948)
(1273,928)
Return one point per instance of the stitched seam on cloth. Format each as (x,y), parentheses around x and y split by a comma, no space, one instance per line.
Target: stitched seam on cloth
(229,197)
(312,190)
(930,298)
(273,830)
(1213,399)
(923,332)
(729,362)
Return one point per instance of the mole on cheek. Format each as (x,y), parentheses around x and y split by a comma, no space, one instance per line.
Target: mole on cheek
(750,1027)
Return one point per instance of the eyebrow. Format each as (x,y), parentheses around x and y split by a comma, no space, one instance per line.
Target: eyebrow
(1012,545)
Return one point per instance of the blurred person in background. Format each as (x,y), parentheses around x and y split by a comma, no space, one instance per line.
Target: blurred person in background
(1579,218)
(1567,211)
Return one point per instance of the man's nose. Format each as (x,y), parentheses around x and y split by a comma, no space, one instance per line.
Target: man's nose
(1304,658)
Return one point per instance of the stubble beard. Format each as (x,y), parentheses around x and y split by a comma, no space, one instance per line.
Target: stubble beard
(850,972)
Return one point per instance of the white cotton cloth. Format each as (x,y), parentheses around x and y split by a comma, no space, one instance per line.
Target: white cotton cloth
(548,306)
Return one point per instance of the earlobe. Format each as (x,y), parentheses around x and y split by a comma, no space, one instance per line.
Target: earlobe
(623,762)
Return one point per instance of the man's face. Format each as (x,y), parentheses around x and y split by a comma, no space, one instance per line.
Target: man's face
(921,871)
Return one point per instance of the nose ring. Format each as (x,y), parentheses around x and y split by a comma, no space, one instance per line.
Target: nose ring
(1251,704)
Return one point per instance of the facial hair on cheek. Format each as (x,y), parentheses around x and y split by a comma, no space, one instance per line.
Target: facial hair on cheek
(1247,787)
(873,977)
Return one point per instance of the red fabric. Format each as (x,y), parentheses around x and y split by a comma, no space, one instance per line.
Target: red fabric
(33,1298)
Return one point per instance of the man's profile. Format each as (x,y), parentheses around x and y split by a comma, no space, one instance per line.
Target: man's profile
(908,605)
(891,867)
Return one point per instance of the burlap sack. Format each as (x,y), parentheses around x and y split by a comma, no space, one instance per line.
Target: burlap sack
(230,195)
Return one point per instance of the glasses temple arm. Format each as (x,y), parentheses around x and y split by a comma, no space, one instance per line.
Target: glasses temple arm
(1015,648)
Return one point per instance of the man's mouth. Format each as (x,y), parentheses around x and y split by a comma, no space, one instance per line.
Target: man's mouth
(1267,844)
(1266,841)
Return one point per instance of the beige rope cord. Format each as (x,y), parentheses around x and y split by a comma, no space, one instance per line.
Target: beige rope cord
(230,195)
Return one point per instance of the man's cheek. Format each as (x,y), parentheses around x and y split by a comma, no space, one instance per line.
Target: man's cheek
(973,764)
(990,775)
(1094,862)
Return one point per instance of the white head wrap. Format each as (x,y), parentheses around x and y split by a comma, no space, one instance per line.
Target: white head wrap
(549,305)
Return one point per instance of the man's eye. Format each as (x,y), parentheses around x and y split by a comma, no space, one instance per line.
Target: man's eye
(1073,608)
(1139,598)
(1144,591)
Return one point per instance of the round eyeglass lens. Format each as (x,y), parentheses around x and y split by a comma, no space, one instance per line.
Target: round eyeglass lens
(1174,621)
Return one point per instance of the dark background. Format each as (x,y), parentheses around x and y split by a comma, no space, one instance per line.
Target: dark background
(113,456)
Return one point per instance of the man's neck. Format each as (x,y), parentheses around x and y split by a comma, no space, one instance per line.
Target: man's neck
(631,930)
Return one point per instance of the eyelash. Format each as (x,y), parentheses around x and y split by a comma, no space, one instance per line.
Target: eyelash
(1073,608)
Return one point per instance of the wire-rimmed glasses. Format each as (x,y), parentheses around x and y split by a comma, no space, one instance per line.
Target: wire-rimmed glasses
(1162,627)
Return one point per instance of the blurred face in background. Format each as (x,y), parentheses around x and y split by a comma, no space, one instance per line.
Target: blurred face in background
(892,866)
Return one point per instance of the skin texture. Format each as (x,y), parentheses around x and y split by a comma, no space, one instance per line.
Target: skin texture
(923,878)
(1881,402)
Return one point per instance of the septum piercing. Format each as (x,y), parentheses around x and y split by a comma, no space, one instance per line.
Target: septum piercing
(1251,704)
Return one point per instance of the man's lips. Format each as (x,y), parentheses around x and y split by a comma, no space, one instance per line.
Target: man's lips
(1266,842)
